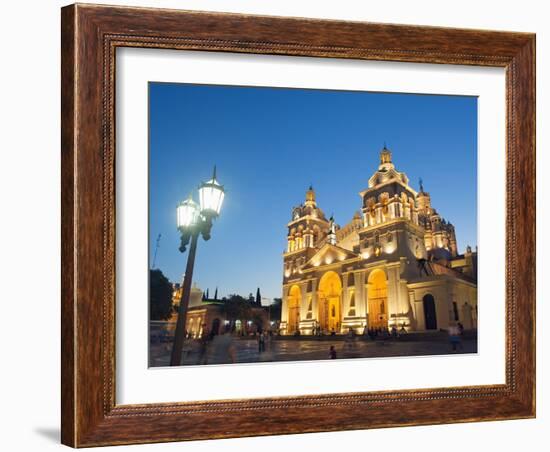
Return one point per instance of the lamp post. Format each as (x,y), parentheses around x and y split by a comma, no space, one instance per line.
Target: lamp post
(194,220)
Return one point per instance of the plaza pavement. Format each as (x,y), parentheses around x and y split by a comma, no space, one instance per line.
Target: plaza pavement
(307,349)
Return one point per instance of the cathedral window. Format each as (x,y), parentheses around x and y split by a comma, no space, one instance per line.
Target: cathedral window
(455,310)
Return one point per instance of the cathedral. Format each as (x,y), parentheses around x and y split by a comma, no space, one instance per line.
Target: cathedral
(396,263)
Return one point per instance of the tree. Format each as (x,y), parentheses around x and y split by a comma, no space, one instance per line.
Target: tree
(160,296)
(275,309)
(216,295)
(258,297)
(258,320)
(235,308)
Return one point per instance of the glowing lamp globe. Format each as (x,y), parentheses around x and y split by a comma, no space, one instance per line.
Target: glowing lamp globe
(187,214)
(211,196)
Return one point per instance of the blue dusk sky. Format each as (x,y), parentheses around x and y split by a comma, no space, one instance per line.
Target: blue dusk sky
(270,144)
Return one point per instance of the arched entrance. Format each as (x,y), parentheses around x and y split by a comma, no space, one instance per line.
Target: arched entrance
(294,302)
(330,291)
(430,319)
(378,300)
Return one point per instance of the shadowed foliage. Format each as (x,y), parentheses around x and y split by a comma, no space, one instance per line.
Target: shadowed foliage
(160,296)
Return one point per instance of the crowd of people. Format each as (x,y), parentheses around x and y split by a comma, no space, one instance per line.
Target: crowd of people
(219,347)
(455,333)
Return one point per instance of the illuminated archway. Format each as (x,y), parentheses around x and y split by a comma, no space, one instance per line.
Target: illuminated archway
(377,300)
(330,291)
(294,302)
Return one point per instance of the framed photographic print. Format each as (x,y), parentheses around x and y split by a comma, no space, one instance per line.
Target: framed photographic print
(324,225)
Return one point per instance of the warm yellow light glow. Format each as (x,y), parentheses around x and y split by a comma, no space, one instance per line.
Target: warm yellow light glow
(365,255)
(328,260)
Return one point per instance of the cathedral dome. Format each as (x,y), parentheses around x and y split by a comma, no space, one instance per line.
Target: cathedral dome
(440,254)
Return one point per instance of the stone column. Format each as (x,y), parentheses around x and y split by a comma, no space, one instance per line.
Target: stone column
(284,311)
(303,301)
(420,319)
(393,271)
(314,300)
(344,298)
(404,297)
(360,294)
(414,314)
(284,306)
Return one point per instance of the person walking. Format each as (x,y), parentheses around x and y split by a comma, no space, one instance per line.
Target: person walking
(204,342)
(454,337)
(394,333)
(261,343)
(350,340)
(332,352)
(222,350)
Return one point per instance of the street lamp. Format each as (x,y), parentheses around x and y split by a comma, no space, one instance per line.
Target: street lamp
(193,220)
(187,214)
(211,196)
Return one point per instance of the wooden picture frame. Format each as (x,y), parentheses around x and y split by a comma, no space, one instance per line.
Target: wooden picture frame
(90,36)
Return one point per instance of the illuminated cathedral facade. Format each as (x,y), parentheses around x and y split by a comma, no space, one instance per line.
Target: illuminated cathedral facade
(396,263)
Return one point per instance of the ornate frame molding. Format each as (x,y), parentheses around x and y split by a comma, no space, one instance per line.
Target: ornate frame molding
(90,37)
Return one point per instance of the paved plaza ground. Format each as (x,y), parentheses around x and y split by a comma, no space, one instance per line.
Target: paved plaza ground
(302,349)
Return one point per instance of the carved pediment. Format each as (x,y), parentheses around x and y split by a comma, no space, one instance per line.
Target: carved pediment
(329,254)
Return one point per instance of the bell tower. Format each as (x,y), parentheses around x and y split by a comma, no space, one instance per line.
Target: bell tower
(385,159)
(310,197)
(307,229)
